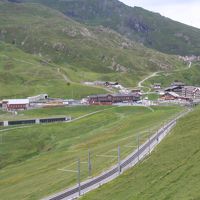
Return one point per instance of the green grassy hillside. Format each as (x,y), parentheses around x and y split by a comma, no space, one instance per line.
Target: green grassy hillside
(188,76)
(171,172)
(74,112)
(82,53)
(30,157)
(23,75)
(150,28)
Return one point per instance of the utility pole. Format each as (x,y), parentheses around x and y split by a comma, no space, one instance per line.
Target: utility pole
(89,164)
(138,144)
(119,165)
(72,93)
(78,177)
(2,138)
(149,142)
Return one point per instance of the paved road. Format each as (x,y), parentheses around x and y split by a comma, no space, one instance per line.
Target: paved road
(125,164)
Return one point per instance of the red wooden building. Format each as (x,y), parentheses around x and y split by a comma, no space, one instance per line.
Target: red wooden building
(15,104)
(173,96)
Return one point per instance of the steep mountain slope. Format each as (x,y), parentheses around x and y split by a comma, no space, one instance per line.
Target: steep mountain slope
(82,52)
(150,28)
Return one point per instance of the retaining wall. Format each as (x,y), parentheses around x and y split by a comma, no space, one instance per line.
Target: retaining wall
(35,121)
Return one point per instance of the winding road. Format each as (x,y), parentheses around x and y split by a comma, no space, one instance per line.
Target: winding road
(145,79)
(118,169)
(140,84)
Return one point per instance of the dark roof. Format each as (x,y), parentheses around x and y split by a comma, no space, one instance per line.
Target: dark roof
(125,95)
(115,95)
(99,95)
(171,88)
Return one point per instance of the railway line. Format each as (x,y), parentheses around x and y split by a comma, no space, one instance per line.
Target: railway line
(131,160)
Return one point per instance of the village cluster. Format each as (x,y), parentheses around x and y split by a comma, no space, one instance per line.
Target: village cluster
(177,91)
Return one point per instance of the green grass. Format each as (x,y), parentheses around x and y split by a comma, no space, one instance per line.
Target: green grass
(30,158)
(74,112)
(23,75)
(152,96)
(37,40)
(171,172)
(83,53)
(188,76)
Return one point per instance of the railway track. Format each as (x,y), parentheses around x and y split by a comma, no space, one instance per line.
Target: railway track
(125,164)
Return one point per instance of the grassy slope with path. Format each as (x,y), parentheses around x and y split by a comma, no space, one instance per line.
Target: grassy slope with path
(19,78)
(31,157)
(74,112)
(190,76)
(82,53)
(171,172)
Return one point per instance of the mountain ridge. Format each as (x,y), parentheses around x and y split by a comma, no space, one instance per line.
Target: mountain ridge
(82,52)
(149,28)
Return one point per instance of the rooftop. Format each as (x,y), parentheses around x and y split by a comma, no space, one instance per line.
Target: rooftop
(17,101)
(171,88)
(115,95)
(173,94)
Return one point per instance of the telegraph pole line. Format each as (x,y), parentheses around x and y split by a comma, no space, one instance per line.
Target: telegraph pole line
(157,136)
(138,144)
(1,139)
(78,177)
(89,164)
(149,142)
(119,162)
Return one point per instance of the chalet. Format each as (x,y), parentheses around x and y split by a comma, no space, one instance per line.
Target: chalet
(170,96)
(157,86)
(108,99)
(191,92)
(176,89)
(111,83)
(173,96)
(15,104)
(136,90)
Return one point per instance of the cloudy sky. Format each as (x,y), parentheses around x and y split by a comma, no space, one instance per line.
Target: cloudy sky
(185,11)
